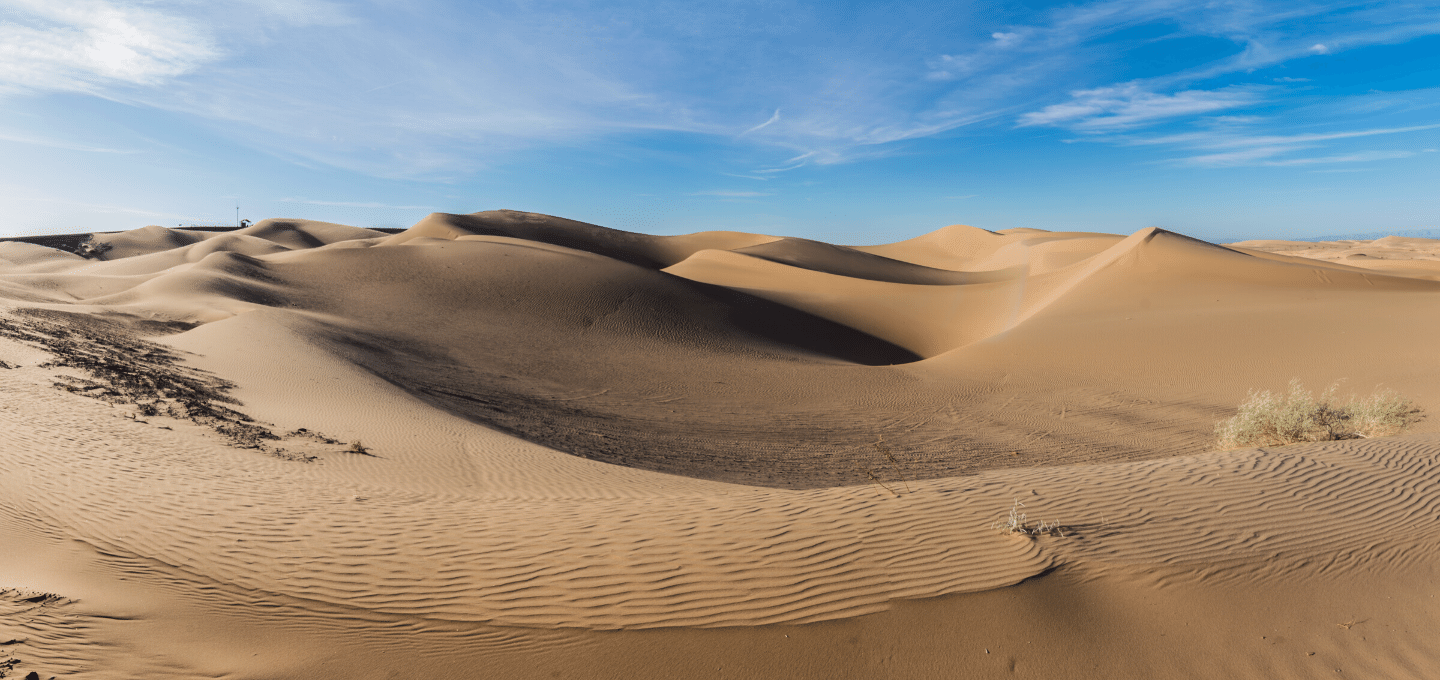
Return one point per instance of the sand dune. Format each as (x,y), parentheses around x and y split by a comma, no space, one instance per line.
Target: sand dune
(144,240)
(1403,256)
(856,263)
(300,234)
(592,453)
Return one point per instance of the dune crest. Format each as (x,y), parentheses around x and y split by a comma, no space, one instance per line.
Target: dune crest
(505,439)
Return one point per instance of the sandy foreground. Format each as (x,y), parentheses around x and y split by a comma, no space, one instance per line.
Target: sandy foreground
(586,453)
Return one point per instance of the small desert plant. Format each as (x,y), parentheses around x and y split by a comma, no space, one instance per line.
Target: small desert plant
(357,447)
(1270,419)
(1383,413)
(1018,524)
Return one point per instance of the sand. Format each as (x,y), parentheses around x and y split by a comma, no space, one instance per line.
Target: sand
(597,454)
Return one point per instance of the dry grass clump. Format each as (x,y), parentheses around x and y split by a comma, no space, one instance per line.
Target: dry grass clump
(1276,419)
(1018,524)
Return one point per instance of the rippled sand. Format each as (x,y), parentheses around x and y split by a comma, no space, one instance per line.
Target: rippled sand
(591,453)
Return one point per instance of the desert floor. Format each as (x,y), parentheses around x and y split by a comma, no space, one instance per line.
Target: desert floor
(507,445)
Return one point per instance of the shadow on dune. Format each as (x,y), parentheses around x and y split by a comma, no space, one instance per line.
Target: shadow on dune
(804,331)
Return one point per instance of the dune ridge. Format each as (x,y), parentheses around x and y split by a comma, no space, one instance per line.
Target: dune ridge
(580,440)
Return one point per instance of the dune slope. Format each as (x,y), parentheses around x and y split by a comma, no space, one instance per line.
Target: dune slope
(514,445)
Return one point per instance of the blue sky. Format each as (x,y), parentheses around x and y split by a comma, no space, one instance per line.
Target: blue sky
(854,123)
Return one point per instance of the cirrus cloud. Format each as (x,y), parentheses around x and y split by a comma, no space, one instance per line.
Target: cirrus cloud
(79,45)
(1129,105)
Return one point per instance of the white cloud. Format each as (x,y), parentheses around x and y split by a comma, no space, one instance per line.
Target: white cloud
(773,119)
(1124,106)
(949,67)
(1222,140)
(351,204)
(400,92)
(1288,79)
(732,194)
(1318,48)
(1005,39)
(1360,157)
(83,44)
(1266,156)
(1234,158)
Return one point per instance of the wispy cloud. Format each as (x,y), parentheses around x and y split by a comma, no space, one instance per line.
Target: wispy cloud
(1129,105)
(388,90)
(1256,155)
(773,119)
(1225,139)
(80,45)
(1362,157)
(1266,156)
(1271,156)
(1268,34)
(1005,39)
(723,193)
(355,204)
(1259,140)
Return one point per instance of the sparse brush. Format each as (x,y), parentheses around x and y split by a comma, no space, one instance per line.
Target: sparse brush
(1018,524)
(1270,419)
(1383,413)
(357,447)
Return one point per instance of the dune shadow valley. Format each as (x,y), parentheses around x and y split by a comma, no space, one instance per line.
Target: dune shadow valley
(511,445)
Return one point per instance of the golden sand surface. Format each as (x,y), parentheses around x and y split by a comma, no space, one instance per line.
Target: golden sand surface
(590,453)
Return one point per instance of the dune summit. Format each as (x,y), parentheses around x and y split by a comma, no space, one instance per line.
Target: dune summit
(512,445)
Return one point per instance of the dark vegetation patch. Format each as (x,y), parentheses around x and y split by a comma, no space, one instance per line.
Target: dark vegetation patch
(69,243)
(316,436)
(91,250)
(124,369)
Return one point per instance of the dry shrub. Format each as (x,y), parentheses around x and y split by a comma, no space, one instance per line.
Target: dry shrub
(1275,419)
(1018,524)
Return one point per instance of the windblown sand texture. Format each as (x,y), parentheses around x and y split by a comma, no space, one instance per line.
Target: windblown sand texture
(596,454)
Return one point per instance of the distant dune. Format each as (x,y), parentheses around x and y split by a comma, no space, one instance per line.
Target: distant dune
(513,445)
